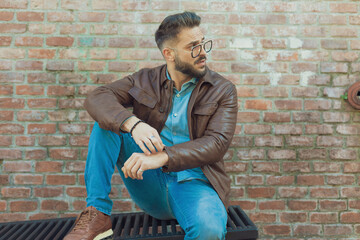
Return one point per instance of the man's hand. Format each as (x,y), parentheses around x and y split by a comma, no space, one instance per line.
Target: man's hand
(135,166)
(145,136)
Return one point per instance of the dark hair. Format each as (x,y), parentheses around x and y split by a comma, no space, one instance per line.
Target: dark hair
(173,24)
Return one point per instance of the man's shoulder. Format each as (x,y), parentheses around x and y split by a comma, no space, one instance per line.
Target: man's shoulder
(217,79)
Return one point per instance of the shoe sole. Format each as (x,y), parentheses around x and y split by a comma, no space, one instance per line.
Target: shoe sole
(104,235)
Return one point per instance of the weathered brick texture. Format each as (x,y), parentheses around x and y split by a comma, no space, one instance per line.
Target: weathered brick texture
(294,159)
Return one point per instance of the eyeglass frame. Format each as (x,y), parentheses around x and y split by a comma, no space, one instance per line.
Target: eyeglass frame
(201,47)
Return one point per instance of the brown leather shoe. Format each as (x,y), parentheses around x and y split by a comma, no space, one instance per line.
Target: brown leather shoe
(91,224)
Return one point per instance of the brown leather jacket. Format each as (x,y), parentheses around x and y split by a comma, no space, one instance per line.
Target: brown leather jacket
(212,113)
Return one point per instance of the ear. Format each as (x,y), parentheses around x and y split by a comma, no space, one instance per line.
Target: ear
(168,54)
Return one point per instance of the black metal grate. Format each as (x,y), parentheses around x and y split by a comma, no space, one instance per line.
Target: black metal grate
(125,226)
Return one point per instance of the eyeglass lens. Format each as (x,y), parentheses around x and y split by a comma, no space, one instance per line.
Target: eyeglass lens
(197,49)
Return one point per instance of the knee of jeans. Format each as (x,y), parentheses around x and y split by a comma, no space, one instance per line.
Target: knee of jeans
(206,230)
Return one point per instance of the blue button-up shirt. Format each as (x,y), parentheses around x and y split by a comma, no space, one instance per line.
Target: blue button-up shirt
(176,128)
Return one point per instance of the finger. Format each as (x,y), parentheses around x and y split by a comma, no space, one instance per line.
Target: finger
(134,170)
(160,146)
(129,165)
(142,147)
(149,145)
(125,172)
(156,143)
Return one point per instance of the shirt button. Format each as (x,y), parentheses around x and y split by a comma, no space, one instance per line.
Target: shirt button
(178,95)
(175,114)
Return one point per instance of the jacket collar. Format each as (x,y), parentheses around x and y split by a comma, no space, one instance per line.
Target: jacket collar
(206,78)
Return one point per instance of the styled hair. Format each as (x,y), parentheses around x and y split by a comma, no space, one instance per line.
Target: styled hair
(173,24)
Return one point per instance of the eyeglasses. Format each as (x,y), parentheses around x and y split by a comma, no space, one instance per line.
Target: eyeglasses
(196,50)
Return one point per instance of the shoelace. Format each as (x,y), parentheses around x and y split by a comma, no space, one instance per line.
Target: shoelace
(84,219)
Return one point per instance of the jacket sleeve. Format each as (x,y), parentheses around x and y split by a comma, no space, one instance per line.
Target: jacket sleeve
(211,147)
(107,104)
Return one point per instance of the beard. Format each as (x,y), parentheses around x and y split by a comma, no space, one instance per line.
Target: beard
(188,69)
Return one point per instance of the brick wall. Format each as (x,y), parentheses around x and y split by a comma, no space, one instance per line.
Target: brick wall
(294,160)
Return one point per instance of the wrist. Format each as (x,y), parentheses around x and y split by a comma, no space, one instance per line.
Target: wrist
(129,123)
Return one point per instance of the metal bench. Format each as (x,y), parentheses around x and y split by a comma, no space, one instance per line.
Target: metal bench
(126,226)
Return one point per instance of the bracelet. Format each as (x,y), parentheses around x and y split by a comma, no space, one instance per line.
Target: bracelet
(133,127)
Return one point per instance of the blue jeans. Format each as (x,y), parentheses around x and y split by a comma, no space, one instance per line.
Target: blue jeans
(194,203)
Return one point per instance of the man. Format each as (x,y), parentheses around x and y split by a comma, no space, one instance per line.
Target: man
(169,149)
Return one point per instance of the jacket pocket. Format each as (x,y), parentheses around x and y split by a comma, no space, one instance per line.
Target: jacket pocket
(143,97)
(202,115)
(144,104)
(205,109)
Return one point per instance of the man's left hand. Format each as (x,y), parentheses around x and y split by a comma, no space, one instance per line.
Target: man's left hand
(135,166)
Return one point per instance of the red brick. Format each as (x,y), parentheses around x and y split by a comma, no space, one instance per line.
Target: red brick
(352,167)
(15,192)
(344,7)
(5,140)
(12,217)
(275,92)
(61,90)
(261,192)
(350,192)
(29,90)
(29,41)
(308,154)
(5,65)
(348,129)
(244,67)
(289,217)
(12,28)
(2,206)
(276,117)
(343,154)
(268,141)
(257,129)
(272,205)
(292,192)
(79,205)
(251,154)
(30,116)
(71,103)
(332,20)
(317,104)
(6,115)
(277,230)
(329,141)
(333,205)
(77,166)
(333,44)
(248,117)
(47,192)
(354,204)
(263,217)
(12,103)
(91,66)
(42,103)
(62,115)
(65,16)
(30,16)
(6,90)
(245,180)
(122,42)
(79,141)
(256,80)
(272,19)
(273,43)
(323,217)
(345,56)
(338,230)
(6,16)
(60,41)
(318,129)
(307,230)
(8,128)
(122,66)
(42,216)
(103,78)
(31,179)
(64,154)
(42,54)
(47,166)
(60,66)
(23,206)
(235,192)
(302,205)
(35,154)
(326,167)
(5,41)
(341,180)
(76,191)
(41,128)
(54,205)
(15,166)
(258,104)
(52,140)
(288,129)
(60,179)
(42,28)
(280,180)
(4,179)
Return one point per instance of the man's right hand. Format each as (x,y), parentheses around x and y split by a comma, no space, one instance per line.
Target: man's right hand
(145,136)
